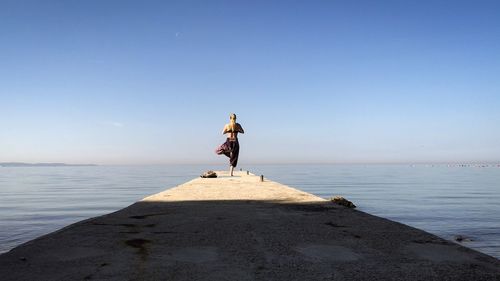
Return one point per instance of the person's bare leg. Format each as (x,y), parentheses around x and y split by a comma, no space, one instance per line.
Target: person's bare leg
(231,169)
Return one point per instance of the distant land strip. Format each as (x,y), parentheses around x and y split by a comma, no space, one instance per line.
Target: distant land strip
(20,164)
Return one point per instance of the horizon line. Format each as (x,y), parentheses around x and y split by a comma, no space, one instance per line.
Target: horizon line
(277,163)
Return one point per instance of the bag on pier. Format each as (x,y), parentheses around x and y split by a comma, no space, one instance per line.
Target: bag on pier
(209,174)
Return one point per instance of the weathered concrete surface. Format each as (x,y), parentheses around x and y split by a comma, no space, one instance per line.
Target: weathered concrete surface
(241,229)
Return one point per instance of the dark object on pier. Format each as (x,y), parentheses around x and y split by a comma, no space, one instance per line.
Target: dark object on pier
(342,201)
(461,238)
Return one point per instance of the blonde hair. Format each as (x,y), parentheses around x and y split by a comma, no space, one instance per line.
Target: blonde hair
(232,122)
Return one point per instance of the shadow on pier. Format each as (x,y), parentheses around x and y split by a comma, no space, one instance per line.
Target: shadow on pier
(243,240)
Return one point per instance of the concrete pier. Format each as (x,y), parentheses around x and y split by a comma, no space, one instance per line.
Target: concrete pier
(239,228)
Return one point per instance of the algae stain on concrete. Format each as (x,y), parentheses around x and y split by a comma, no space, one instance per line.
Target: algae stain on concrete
(141,245)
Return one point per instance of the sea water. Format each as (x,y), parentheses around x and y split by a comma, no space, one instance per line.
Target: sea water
(446,200)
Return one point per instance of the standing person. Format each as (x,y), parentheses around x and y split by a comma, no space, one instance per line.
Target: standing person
(231,148)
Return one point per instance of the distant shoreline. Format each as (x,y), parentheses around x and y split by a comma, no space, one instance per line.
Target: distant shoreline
(21,164)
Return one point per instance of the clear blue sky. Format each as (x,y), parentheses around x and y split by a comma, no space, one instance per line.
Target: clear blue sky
(150,82)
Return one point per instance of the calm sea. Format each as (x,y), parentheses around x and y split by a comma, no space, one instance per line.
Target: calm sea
(441,199)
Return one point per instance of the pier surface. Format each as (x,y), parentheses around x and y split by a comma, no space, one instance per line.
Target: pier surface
(238,228)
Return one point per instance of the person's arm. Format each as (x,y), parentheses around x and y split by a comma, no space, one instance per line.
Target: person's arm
(240,129)
(225,130)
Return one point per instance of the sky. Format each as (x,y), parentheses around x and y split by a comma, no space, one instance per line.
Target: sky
(154,82)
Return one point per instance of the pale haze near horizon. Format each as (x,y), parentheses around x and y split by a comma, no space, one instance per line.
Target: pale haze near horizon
(147,82)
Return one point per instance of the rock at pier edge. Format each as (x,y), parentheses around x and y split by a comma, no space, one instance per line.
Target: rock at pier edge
(241,228)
